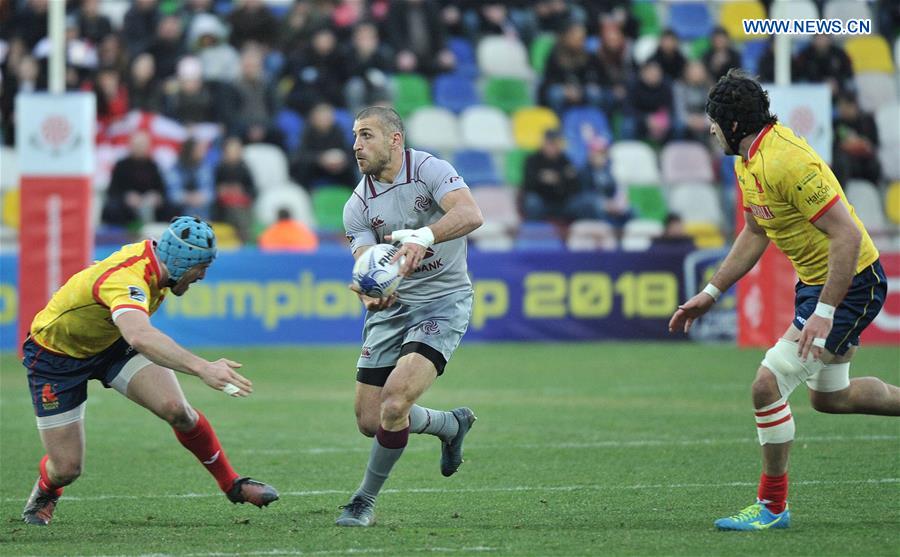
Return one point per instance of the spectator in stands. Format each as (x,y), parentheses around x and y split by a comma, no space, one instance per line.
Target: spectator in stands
(30,23)
(368,63)
(287,234)
(190,184)
(690,103)
(298,26)
(113,54)
(92,25)
(673,234)
(208,37)
(252,21)
(598,183)
(167,47)
(317,72)
(649,110)
(190,101)
(139,26)
(554,15)
(144,91)
(499,18)
(256,97)
(324,156)
(235,190)
(721,55)
(668,55)
(418,37)
(572,76)
(136,191)
(615,59)
(824,62)
(855,153)
(346,14)
(551,189)
(111,94)
(614,12)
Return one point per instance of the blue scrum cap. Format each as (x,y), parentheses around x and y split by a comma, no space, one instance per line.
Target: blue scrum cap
(187,242)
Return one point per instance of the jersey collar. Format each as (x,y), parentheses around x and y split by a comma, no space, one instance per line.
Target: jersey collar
(404,172)
(754,147)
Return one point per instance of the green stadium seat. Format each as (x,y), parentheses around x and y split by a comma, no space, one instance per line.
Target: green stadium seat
(514,166)
(645,13)
(648,202)
(328,205)
(411,91)
(507,93)
(540,51)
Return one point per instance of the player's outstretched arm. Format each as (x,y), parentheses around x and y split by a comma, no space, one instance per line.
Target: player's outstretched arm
(748,247)
(160,349)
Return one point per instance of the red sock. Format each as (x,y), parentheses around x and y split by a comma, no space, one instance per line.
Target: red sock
(773,492)
(45,482)
(202,441)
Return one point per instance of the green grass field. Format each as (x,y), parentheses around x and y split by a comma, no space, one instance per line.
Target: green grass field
(580,449)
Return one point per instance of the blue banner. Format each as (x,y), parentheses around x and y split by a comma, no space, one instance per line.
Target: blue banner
(252,298)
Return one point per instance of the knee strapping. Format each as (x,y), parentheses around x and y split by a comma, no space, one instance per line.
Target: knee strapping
(774,423)
(789,370)
(831,378)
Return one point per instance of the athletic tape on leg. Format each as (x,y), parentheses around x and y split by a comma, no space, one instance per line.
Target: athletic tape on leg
(831,378)
(774,423)
(789,370)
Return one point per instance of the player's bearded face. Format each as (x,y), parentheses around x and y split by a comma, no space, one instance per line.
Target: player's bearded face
(372,147)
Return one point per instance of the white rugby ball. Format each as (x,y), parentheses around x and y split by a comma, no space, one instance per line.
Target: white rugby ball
(374,274)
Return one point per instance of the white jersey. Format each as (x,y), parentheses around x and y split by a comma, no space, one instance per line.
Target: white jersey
(412,201)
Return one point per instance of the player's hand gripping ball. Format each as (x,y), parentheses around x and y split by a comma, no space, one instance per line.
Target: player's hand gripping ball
(374,274)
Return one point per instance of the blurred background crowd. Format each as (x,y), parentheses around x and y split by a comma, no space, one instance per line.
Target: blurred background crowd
(578,124)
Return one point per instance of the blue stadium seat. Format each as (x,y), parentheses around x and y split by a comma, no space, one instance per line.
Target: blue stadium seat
(751,53)
(476,167)
(690,20)
(580,124)
(455,92)
(538,236)
(291,125)
(344,121)
(466,64)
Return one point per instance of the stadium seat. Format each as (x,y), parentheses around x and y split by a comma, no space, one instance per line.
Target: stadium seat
(706,235)
(9,168)
(634,162)
(11,212)
(498,205)
(869,54)
(455,92)
(890,161)
(846,9)
(638,234)
(289,195)
(793,9)
(644,48)
(344,120)
(411,91)
(644,11)
(648,202)
(226,236)
(476,167)
(514,166)
(540,50)
(466,65)
(686,161)
(582,124)
(291,125)
(268,165)
(435,127)
(866,200)
(538,236)
(492,236)
(507,93)
(875,89)
(115,10)
(530,124)
(751,53)
(328,206)
(892,202)
(897,50)
(733,14)
(696,202)
(486,127)
(502,56)
(690,20)
(887,120)
(591,235)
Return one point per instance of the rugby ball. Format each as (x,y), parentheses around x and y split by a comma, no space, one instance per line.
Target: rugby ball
(374,274)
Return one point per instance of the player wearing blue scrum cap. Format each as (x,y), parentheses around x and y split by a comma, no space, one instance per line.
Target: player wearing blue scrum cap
(97,326)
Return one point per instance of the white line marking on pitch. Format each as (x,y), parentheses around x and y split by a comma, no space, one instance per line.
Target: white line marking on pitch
(506,489)
(349,551)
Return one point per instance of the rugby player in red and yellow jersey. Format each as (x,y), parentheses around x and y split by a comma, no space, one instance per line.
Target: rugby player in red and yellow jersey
(97,326)
(792,198)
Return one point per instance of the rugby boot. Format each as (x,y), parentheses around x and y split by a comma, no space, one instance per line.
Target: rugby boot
(452,450)
(40,506)
(755,517)
(359,512)
(246,490)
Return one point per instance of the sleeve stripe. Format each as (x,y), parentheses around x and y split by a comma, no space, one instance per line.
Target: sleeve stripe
(827,206)
(746,209)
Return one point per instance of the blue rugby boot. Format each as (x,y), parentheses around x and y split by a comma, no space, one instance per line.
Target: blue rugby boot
(755,517)
(452,450)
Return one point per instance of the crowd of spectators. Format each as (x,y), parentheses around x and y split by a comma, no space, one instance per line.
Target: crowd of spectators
(237,63)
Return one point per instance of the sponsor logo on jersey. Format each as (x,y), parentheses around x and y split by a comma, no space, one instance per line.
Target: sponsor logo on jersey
(48,398)
(136,294)
(377,222)
(431,266)
(454,178)
(422,204)
(821,195)
(761,212)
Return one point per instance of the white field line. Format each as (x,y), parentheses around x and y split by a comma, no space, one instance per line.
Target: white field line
(349,551)
(612,444)
(505,489)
